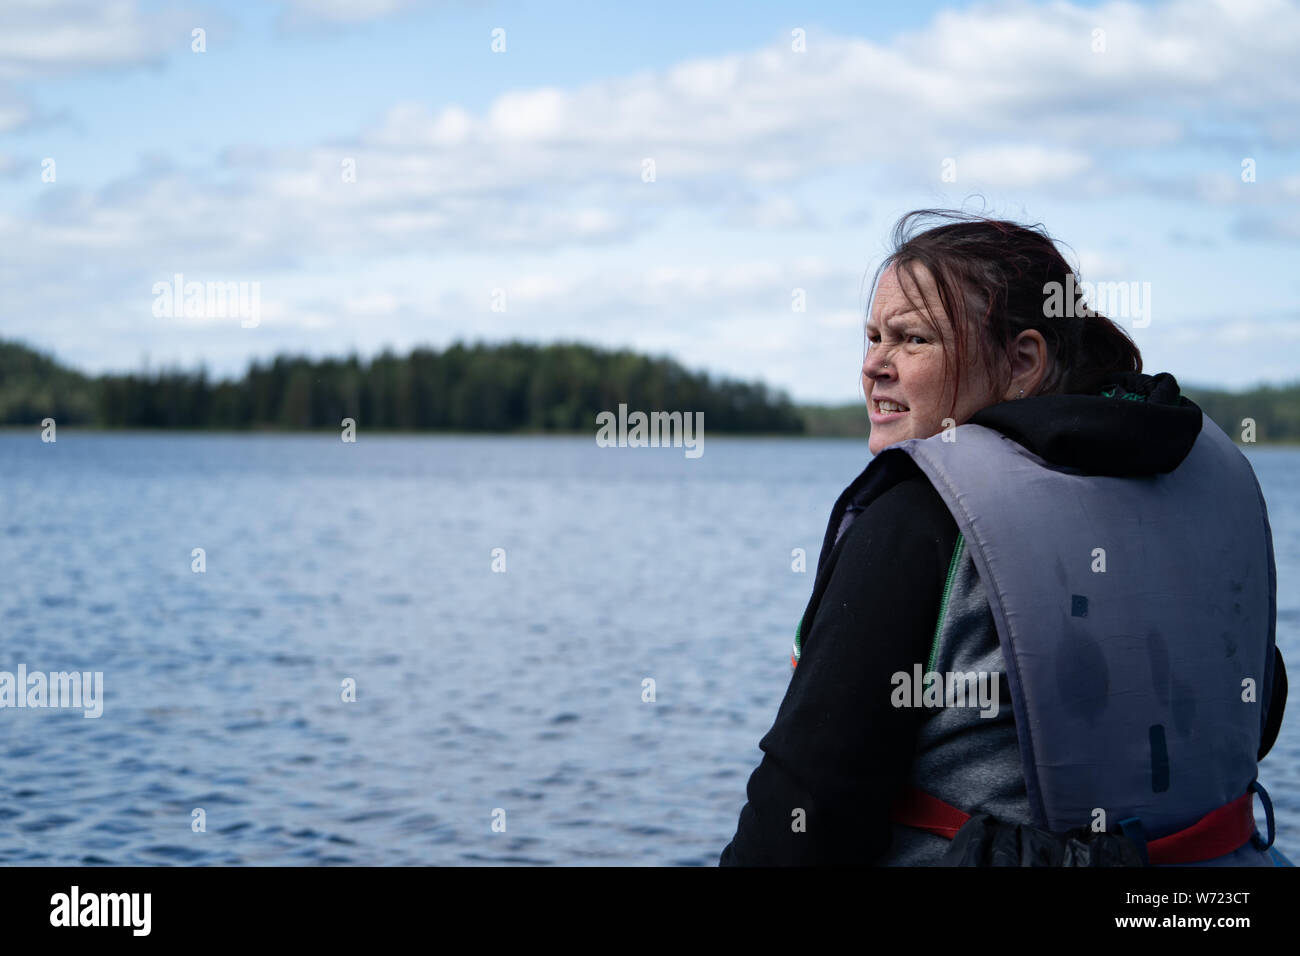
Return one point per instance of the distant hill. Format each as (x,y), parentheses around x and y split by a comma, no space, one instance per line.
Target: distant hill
(509,387)
(34,386)
(1274,409)
(477,388)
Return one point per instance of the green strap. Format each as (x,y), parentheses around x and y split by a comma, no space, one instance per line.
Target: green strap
(953,565)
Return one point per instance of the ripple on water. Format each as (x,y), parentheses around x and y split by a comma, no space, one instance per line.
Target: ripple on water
(215,797)
(241,726)
(293,660)
(367,815)
(114,825)
(418,823)
(181,854)
(51,822)
(524,860)
(474,690)
(646,830)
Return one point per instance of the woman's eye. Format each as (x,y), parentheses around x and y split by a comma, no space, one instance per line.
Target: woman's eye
(922,338)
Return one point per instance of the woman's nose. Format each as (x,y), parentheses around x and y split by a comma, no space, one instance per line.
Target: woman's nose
(874,366)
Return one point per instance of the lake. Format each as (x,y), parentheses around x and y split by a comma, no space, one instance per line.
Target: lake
(329,566)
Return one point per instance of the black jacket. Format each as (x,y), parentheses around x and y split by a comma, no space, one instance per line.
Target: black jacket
(838,751)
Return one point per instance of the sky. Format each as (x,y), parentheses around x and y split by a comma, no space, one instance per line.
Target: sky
(713,182)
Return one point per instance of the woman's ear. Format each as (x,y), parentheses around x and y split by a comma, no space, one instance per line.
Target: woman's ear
(1028,359)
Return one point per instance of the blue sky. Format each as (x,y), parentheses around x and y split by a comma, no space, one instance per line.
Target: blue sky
(515,177)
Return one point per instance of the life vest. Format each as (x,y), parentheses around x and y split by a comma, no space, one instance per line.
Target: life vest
(1133,622)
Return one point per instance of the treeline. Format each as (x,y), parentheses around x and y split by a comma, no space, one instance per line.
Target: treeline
(510,387)
(1274,410)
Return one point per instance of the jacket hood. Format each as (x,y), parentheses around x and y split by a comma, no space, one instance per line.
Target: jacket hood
(1136,425)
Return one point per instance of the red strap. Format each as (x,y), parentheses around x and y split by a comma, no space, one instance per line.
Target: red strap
(1216,834)
(916,808)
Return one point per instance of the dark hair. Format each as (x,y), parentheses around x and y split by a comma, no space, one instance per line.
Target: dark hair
(991,277)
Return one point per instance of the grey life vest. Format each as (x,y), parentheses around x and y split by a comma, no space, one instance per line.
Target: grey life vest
(1132,620)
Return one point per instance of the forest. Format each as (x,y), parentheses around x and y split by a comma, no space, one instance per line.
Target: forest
(510,387)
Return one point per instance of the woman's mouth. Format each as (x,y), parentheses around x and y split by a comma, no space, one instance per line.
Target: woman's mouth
(886,410)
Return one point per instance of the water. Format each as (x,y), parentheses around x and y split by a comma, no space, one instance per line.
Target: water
(475,691)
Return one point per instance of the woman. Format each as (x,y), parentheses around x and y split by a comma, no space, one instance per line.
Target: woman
(1047,604)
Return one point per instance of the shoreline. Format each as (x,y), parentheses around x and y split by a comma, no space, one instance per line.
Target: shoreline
(7,430)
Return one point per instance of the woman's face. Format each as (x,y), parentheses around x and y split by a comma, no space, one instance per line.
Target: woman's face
(905,365)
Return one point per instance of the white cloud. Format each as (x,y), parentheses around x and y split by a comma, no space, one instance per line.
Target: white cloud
(1022,166)
(44,39)
(13,112)
(531,115)
(345,11)
(1013,92)
(41,38)
(1094,265)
